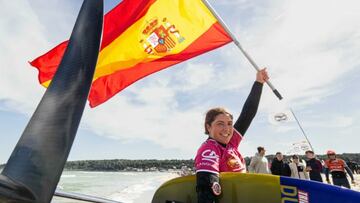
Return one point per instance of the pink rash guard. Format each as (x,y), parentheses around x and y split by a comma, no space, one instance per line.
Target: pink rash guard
(214,158)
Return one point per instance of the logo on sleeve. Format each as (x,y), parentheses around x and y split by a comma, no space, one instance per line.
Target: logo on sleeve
(216,188)
(209,155)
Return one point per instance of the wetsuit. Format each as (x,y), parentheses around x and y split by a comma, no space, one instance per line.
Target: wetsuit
(214,157)
(316,169)
(337,169)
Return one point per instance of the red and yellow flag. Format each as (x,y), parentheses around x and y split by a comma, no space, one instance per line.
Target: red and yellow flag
(142,37)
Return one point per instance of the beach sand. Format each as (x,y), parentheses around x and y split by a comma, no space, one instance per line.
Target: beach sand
(355,187)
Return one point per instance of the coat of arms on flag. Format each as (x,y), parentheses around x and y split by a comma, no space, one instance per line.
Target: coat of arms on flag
(158,36)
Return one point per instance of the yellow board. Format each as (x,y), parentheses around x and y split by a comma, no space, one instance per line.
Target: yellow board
(236,188)
(255,188)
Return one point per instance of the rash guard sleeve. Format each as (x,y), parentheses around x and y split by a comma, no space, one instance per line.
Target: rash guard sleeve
(249,109)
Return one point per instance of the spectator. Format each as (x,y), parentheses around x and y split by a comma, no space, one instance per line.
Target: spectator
(337,169)
(298,169)
(313,166)
(279,167)
(259,163)
(352,165)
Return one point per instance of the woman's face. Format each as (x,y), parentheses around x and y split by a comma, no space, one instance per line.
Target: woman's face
(221,129)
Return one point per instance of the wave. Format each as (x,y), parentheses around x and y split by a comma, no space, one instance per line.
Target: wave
(141,191)
(127,187)
(68,176)
(92,172)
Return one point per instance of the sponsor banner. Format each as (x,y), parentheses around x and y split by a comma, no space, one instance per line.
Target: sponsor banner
(302,191)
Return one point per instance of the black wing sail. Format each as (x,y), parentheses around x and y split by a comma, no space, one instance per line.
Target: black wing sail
(35,166)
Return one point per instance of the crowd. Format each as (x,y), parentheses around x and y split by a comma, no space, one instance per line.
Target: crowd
(309,169)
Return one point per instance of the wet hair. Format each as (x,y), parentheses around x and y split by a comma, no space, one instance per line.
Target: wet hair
(260,149)
(211,115)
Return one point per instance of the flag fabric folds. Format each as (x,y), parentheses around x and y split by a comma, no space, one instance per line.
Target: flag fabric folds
(142,37)
(299,147)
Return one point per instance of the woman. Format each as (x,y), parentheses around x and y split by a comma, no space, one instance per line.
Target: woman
(219,153)
(298,169)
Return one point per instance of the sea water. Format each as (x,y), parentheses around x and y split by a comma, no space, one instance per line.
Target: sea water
(126,187)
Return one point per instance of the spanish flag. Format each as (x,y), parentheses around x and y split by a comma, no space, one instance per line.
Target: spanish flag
(142,37)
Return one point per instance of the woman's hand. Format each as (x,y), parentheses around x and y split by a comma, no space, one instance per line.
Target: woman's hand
(262,76)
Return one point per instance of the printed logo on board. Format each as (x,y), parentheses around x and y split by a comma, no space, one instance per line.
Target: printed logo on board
(292,194)
(303,197)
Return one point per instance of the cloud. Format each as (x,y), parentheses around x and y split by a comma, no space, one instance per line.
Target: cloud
(195,75)
(158,122)
(339,121)
(23,38)
(308,48)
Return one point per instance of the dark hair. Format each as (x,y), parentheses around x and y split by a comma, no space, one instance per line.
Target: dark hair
(295,156)
(309,151)
(211,115)
(260,149)
(278,153)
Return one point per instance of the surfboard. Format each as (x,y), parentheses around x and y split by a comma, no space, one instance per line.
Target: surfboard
(253,188)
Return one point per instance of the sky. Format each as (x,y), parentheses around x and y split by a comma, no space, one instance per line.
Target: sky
(309,47)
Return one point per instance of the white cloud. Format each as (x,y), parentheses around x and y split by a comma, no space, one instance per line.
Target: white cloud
(307,48)
(157,122)
(195,76)
(339,121)
(23,38)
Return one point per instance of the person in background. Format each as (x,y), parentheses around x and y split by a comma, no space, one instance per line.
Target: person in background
(259,163)
(219,152)
(352,165)
(337,168)
(313,166)
(279,167)
(298,168)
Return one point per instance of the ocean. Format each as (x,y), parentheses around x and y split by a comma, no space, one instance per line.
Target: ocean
(126,187)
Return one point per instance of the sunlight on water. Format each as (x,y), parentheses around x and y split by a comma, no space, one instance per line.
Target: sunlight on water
(127,187)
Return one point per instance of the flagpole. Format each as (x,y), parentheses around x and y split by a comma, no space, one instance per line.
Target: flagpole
(302,130)
(237,43)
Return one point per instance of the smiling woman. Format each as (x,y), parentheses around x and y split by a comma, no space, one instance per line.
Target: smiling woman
(219,153)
